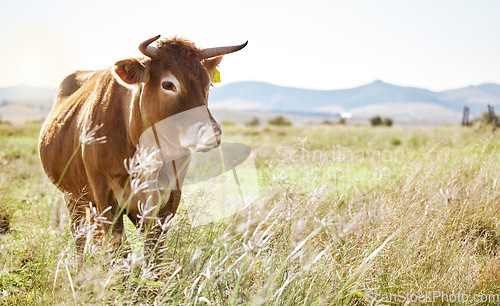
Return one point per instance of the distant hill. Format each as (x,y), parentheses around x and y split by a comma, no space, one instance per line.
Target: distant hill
(476,97)
(404,104)
(21,103)
(23,92)
(377,98)
(271,97)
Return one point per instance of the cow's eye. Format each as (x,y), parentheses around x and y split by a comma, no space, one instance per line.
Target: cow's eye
(169,86)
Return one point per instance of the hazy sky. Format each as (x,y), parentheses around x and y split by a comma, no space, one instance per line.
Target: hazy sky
(436,44)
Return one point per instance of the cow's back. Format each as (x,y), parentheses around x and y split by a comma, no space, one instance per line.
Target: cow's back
(73,82)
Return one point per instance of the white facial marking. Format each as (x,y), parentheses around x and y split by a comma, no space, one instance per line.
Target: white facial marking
(170,85)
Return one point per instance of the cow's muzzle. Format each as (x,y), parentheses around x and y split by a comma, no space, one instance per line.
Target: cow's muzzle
(209,137)
(203,136)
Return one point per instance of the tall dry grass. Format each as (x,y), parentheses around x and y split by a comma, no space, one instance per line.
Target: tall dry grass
(344,216)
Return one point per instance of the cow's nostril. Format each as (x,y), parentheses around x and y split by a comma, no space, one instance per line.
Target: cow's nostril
(217,128)
(218,132)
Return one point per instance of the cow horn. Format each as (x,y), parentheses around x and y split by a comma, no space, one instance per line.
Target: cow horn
(146,49)
(211,52)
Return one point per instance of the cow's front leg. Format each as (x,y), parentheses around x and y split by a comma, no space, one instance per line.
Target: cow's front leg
(160,225)
(109,228)
(77,212)
(106,215)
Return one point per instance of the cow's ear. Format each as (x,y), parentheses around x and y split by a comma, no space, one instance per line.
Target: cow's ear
(211,63)
(132,71)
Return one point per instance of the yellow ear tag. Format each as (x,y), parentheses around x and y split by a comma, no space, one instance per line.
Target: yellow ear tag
(215,77)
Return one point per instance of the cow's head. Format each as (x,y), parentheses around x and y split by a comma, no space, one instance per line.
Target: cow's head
(175,78)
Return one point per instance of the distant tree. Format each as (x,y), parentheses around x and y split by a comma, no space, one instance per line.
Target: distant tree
(254,122)
(342,121)
(279,120)
(388,121)
(486,118)
(376,121)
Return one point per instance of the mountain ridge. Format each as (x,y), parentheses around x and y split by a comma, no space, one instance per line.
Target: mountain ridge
(280,98)
(376,98)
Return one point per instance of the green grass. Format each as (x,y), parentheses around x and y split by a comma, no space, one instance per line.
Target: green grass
(344,215)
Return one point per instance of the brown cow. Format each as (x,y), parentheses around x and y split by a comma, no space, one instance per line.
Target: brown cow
(99,116)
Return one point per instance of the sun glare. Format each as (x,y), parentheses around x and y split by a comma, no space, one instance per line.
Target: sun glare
(30,70)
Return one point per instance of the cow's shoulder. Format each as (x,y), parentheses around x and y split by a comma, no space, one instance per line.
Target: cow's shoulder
(73,82)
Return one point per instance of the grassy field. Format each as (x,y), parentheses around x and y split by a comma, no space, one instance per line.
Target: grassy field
(346,215)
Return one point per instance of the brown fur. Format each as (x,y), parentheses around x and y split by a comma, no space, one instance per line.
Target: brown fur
(96,173)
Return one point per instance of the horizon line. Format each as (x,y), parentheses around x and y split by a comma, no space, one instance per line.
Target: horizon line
(377,81)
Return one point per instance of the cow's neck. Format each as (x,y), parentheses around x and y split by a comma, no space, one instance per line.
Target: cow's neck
(137,124)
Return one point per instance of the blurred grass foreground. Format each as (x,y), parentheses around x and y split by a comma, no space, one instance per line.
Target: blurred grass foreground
(346,215)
